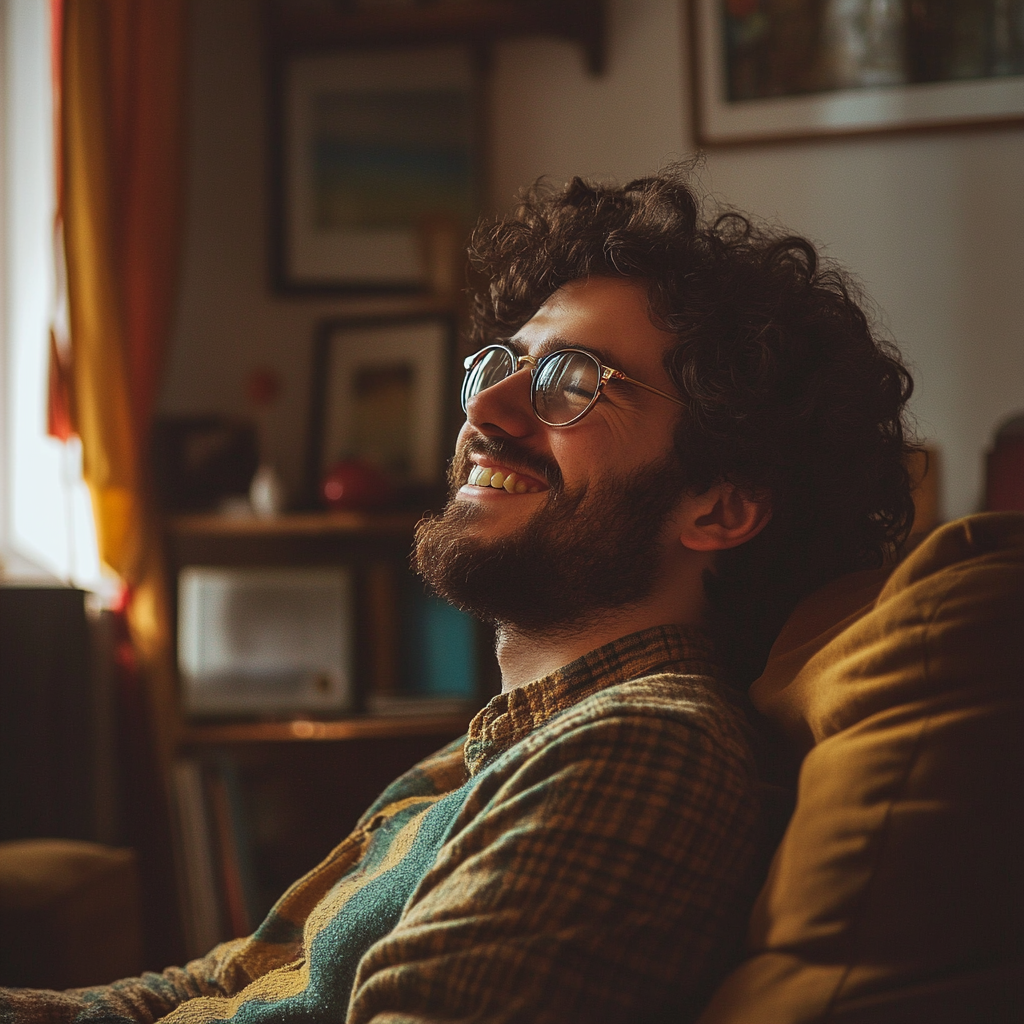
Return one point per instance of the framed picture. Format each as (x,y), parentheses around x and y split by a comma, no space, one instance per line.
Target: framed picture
(382,394)
(377,170)
(797,69)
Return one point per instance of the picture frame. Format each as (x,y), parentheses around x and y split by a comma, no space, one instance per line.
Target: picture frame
(382,393)
(840,76)
(376,171)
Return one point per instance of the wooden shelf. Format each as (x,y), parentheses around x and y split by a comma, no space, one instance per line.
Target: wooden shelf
(298,538)
(303,730)
(296,27)
(297,524)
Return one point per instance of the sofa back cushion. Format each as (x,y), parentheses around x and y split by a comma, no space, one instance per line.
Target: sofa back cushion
(897,893)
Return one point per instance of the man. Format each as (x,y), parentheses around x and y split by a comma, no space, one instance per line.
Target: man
(673,430)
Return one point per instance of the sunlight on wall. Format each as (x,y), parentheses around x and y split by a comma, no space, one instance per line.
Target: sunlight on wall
(49,517)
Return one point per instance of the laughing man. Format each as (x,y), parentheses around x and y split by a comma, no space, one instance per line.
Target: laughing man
(674,429)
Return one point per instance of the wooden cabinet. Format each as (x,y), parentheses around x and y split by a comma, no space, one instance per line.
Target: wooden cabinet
(257,801)
(49,719)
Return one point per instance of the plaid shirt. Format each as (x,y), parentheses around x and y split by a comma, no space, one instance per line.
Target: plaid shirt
(586,853)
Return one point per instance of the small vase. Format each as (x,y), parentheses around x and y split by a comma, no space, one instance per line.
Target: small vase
(266,492)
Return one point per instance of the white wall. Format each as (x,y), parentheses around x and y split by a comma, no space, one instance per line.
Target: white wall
(933,225)
(228,320)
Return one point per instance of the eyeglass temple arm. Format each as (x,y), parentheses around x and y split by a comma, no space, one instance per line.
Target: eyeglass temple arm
(610,374)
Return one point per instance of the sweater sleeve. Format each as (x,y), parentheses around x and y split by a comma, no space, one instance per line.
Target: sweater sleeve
(144,999)
(605,879)
(213,987)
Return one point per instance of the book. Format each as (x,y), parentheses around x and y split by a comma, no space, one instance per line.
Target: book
(243,902)
(236,911)
(199,891)
(438,649)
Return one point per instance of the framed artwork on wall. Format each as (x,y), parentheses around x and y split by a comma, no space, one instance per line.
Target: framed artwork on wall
(377,169)
(381,396)
(796,69)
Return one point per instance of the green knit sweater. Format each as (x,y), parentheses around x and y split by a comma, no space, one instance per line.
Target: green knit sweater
(586,853)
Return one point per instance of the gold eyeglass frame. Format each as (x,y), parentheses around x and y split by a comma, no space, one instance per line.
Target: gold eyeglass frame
(518,362)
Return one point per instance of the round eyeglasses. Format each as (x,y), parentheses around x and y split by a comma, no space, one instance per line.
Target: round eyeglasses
(564,386)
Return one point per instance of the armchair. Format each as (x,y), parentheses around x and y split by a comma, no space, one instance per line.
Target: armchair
(897,893)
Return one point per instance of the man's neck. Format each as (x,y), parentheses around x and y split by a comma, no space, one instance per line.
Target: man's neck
(527,655)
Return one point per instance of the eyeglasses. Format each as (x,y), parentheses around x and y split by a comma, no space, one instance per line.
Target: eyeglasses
(565,384)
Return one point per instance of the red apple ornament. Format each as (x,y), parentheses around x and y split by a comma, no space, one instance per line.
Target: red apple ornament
(355,484)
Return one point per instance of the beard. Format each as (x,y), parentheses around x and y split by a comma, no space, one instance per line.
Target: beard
(584,553)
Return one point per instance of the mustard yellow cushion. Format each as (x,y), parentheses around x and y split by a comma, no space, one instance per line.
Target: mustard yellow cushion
(69,913)
(897,893)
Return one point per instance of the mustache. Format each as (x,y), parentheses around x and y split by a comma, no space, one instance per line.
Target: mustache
(507,453)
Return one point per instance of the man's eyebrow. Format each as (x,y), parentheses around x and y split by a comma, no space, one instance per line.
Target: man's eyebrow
(550,345)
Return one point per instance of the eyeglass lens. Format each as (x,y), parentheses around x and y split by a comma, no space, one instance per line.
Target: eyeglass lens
(564,383)
(565,386)
(491,368)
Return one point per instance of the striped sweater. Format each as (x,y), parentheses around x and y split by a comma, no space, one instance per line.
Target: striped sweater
(585,853)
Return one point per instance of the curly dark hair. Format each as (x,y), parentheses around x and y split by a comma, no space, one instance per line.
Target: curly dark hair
(789,391)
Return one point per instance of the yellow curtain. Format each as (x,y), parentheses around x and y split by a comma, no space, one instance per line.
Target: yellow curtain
(122,96)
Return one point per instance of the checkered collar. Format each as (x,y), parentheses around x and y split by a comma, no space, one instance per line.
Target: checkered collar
(509,717)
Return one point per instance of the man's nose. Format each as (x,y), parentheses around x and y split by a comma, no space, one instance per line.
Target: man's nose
(504,408)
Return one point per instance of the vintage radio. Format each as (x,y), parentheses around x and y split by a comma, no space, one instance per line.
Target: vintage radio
(259,642)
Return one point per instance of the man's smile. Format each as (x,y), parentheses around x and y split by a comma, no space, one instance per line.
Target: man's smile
(499,478)
(485,473)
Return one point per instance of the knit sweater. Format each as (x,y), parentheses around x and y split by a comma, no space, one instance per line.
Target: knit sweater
(585,853)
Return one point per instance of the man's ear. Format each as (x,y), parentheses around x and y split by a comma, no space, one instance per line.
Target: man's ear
(722,517)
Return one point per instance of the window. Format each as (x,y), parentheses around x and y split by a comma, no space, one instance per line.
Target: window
(46,514)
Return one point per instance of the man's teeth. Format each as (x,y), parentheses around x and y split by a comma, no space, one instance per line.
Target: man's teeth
(483,476)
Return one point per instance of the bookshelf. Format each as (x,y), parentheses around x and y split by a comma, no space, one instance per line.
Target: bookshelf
(258,801)
(375,548)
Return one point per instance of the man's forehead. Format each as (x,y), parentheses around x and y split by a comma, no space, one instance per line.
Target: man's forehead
(607,316)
